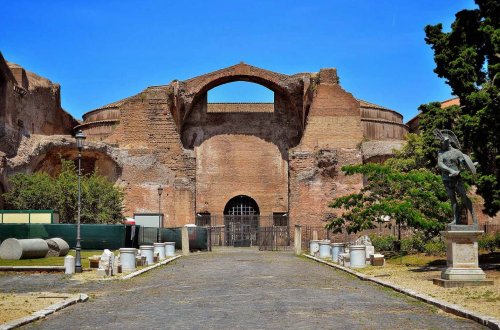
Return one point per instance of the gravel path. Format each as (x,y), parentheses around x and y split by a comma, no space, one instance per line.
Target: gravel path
(241,289)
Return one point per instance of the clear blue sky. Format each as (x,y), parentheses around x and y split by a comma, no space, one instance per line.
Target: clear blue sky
(103,51)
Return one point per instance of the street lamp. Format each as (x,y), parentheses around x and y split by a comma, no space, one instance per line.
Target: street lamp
(160,191)
(80,138)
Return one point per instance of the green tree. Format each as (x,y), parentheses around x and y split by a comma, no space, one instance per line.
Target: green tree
(468,58)
(416,199)
(67,192)
(101,201)
(412,156)
(31,191)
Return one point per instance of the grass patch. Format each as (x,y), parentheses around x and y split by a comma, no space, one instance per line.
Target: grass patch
(51,261)
(417,260)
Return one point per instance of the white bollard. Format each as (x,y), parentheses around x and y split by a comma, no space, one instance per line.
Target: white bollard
(170,249)
(69,265)
(127,259)
(357,256)
(147,251)
(314,247)
(337,248)
(160,249)
(324,249)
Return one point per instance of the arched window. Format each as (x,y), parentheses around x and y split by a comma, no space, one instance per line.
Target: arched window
(241,205)
(241,220)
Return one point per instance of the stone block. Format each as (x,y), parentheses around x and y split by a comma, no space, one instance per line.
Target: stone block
(460,283)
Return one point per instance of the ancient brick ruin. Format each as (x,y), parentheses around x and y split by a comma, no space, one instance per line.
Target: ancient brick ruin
(285,156)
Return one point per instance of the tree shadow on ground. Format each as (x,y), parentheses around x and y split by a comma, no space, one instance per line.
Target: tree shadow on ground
(431,266)
(490,261)
(490,258)
(487,261)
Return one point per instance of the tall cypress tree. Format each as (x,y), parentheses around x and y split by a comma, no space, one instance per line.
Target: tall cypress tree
(468,58)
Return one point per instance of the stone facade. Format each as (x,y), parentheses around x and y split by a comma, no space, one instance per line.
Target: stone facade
(285,155)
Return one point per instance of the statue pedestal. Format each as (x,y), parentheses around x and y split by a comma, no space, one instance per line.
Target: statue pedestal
(462,258)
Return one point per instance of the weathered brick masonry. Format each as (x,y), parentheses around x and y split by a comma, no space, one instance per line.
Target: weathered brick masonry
(286,155)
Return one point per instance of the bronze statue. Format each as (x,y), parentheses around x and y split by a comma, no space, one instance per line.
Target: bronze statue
(451,161)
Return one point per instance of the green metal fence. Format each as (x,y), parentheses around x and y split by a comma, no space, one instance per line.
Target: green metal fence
(93,236)
(99,237)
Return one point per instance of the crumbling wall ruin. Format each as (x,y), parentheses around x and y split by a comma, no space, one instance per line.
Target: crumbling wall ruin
(287,157)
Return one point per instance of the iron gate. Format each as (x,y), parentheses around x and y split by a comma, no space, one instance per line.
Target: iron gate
(241,230)
(264,231)
(275,238)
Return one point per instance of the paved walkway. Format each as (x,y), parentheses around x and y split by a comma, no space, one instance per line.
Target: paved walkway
(243,289)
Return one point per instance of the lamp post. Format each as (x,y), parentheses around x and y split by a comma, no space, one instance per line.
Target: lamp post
(80,138)
(160,191)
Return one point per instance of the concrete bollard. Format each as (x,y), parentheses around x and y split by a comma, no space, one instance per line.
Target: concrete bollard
(324,249)
(69,265)
(15,249)
(169,249)
(127,259)
(337,248)
(297,240)
(160,249)
(185,241)
(147,251)
(357,256)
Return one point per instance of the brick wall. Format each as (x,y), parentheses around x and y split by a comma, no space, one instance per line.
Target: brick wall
(232,165)
(155,156)
(331,139)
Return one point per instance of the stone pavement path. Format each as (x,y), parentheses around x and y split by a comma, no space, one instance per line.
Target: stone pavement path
(243,289)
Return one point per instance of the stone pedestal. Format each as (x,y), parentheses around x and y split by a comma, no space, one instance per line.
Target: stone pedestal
(462,259)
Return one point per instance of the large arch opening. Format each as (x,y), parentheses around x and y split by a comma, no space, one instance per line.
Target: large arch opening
(243,107)
(241,221)
(240,92)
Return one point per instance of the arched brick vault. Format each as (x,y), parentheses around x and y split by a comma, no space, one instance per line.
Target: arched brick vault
(292,87)
(284,126)
(92,160)
(42,153)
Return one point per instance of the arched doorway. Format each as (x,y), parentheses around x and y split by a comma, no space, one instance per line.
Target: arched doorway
(241,220)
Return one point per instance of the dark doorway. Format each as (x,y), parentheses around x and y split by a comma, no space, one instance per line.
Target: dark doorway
(241,221)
